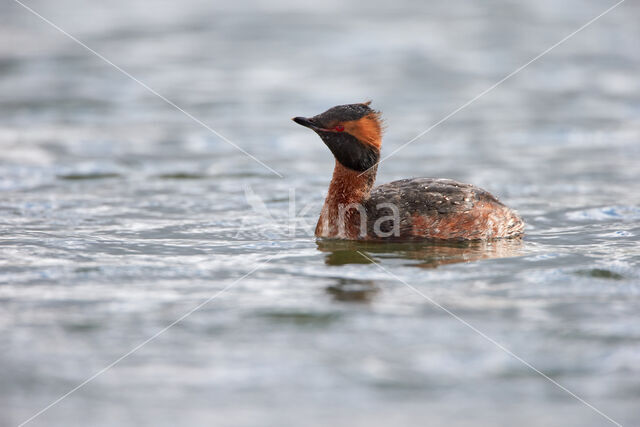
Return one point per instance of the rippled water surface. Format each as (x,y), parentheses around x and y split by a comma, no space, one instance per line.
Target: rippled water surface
(119,214)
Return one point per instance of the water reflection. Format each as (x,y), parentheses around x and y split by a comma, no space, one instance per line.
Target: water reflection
(426,254)
(353,290)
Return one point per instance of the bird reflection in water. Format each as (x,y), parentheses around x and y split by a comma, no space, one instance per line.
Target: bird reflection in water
(422,255)
(353,290)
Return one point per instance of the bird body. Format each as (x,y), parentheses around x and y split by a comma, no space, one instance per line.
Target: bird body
(408,209)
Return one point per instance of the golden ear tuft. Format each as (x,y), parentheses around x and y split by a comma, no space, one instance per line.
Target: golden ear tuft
(367,129)
(377,115)
(367,102)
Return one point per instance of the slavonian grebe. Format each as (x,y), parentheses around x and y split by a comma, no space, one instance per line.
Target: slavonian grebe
(418,208)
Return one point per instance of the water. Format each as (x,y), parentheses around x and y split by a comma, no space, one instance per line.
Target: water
(119,214)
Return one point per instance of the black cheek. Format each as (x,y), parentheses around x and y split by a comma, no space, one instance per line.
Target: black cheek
(350,152)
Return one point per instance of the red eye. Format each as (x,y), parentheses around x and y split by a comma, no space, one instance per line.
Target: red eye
(339,128)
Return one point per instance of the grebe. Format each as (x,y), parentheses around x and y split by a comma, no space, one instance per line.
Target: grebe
(408,209)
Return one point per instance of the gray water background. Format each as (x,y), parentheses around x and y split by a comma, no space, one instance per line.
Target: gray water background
(118,214)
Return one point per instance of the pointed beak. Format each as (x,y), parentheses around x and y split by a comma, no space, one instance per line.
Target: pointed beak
(305,122)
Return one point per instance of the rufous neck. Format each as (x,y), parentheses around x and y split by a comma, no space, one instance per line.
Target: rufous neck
(350,186)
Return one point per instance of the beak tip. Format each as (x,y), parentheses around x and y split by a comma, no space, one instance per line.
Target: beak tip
(303,121)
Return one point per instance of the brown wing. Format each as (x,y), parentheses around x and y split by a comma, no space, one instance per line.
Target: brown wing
(439,209)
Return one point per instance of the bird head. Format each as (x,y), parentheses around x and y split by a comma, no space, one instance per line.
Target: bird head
(353,133)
